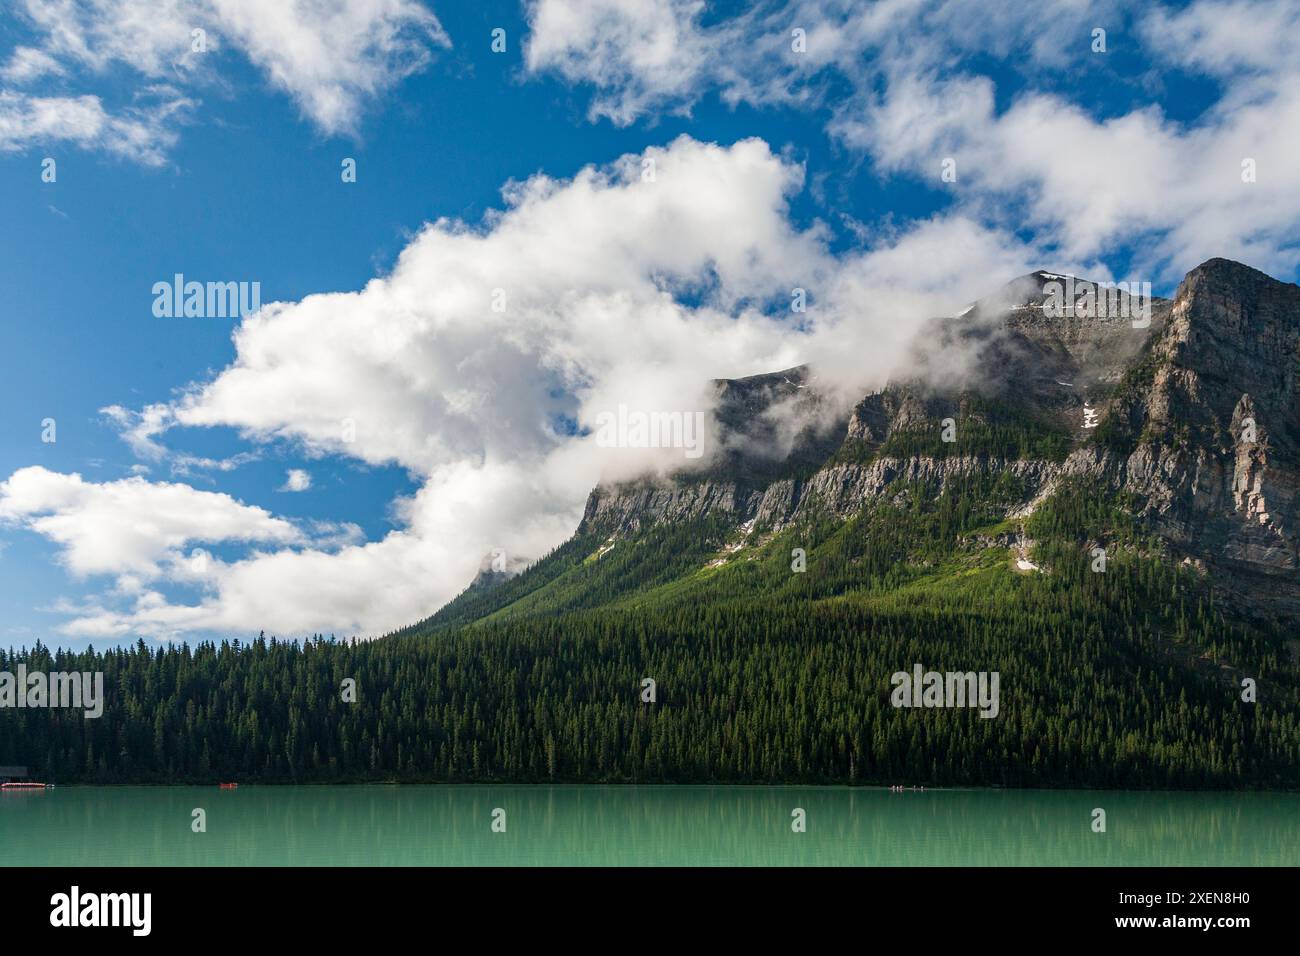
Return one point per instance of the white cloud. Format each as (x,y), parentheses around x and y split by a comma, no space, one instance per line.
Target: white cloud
(1226,37)
(28,63)
(638,53)
(420,370)
(333,57)
(140,134)
(140,430)
(151,36)
(617,290)
(296,480)
(1093,185)
(900,82)
(130,526)
(645,56)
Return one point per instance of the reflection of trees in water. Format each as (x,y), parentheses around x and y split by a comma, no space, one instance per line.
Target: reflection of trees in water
(644,826)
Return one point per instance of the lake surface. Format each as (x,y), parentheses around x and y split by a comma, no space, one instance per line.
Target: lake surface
(645,826)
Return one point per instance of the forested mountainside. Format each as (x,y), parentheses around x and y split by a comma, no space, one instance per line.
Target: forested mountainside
(1104,513)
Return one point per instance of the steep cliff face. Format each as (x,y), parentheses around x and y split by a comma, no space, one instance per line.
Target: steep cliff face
(1215,421)
(1192,413)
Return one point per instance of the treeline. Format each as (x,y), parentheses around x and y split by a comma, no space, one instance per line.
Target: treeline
(982,426)
(752,694)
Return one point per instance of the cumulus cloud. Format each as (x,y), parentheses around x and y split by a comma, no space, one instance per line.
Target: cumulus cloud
(901,83)
(130,526)
(1226,37)
(296,480)
(28,63)
(483,361)
(333,57)
(484,340)
(645,57)
(141,429)
(141,134)
(639,54)
(1095,185)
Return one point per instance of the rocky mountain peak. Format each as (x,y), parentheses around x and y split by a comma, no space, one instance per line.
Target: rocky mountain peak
(1234,336)
(1194,417)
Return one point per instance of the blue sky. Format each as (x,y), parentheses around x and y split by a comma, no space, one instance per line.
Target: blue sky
(775,168)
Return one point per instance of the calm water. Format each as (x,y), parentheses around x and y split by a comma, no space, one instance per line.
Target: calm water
(409,825)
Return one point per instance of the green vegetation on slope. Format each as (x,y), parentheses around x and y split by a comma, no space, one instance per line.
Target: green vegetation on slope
(983,427)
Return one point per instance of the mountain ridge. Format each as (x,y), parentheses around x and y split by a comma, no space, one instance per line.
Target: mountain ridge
(1166,428)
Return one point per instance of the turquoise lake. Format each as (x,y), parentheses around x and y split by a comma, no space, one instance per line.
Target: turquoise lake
(641,826)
